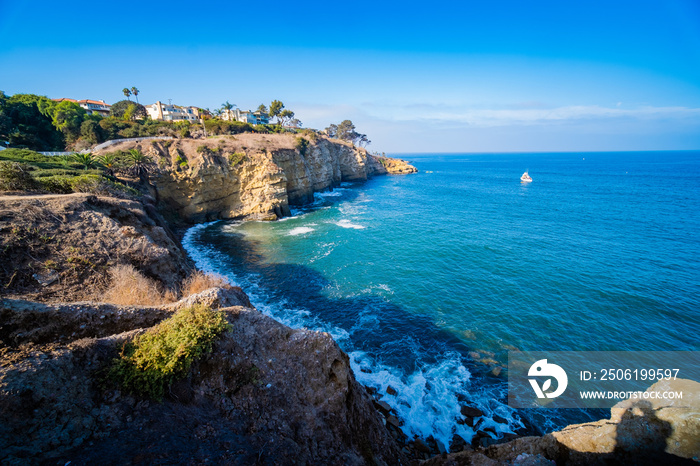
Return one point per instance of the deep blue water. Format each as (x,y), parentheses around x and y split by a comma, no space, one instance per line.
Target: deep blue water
(412,273)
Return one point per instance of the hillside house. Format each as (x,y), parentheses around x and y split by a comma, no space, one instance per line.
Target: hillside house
(161,111)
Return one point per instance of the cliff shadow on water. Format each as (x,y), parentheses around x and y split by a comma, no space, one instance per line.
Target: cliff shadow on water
(423,372)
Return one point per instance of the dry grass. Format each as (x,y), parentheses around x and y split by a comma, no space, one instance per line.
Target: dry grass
(200,281)
(128,287)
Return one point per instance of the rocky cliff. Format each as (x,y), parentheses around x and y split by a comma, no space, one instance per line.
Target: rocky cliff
(267,394)
(59,247)
(255,175)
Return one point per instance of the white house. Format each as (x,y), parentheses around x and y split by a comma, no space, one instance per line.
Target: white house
(161,111)
(246,116)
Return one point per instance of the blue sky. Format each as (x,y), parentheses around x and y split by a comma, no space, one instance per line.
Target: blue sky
(415,77)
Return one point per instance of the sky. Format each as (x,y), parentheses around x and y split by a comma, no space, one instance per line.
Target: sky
(469,76)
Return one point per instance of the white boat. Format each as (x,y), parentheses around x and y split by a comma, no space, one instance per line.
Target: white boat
(525,178)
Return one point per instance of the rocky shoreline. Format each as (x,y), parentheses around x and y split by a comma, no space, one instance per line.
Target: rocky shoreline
(267,394)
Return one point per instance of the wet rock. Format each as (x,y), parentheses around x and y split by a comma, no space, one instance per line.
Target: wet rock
(392,420)
(496,371)
(500,419)
(390,390)
(471,411)
(421,446)
(457,443)
(382,406)
(474,355)
(440,447)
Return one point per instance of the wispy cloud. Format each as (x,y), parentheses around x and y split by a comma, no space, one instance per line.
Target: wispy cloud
(484,117)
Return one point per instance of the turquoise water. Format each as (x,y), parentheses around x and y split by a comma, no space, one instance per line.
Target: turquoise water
(412,273)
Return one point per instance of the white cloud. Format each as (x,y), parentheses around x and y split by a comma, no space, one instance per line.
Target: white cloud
(534,116)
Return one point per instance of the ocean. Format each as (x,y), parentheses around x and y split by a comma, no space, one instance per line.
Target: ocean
(428,280)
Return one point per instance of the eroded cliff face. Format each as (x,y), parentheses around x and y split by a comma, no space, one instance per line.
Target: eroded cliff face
(59,247)
(255,175)
(267,394)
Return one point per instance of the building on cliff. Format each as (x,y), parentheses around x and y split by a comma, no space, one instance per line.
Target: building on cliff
(161,111)
(91,106)
(245,116)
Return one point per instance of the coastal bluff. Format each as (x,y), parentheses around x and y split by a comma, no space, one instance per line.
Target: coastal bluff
(254,176)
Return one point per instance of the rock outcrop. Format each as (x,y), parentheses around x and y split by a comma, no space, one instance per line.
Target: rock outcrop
(59,247)
(267,394)
(255,175)
(649,431)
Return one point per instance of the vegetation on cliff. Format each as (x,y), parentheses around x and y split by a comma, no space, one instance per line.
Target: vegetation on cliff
(150,363)
(26,170)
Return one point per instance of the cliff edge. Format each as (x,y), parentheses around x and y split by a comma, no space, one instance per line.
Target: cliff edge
(257,176)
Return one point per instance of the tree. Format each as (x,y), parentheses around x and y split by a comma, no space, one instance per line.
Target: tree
(346,131)
(109,162)
(86,160)
(120,108)
(262,108)
(140,165)
(91,132)
(285,116)
(26,121)
(227,106)
(68,117)
(135,92)
(127,92)
(295,123)
(332,131)
(275,109)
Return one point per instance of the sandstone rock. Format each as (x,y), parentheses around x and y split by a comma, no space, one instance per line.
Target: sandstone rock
(646,432)
(272,175)
(215,298)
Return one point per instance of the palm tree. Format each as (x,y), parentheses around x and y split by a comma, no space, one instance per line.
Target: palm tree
(127,92)
(227,106)
(135,92)
(140,165)
(108,161)
(85,159)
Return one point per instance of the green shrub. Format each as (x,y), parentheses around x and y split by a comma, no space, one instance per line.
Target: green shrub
(90,183)
(236,158)
(154,360)
(301,144)
(62,172)
(56,184)
(15,176)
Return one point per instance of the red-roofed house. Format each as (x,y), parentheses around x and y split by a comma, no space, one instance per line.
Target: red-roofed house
(91,106)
